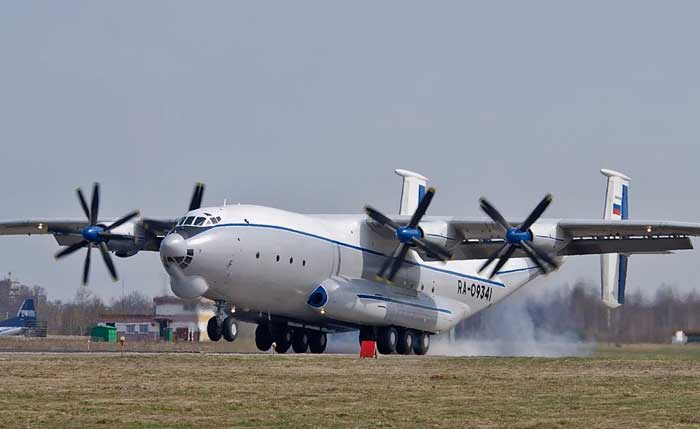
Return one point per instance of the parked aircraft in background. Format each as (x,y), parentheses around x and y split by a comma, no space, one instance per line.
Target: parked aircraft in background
(397,279)
(25,319)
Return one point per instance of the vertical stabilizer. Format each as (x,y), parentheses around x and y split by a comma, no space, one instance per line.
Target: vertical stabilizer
(614,265)
(414,186)
(27,310)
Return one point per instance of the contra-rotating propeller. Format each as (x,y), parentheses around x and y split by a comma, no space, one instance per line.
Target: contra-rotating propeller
(518,238)
(197,195)
(408,236)
(95,235)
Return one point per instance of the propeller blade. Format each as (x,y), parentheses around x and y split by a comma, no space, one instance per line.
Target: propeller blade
(398,261)
(86,267)
(501,262)
(95,204)
(422,208)
(541,207)
(71,249)
(378,217)
(123,220)
(493,257)
(432,249)
(387,261)
(494,214)
(108,261)
(197,195)
(83,203)
(533,256)
(542,255)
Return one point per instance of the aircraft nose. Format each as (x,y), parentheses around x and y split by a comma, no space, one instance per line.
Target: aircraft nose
(173,246)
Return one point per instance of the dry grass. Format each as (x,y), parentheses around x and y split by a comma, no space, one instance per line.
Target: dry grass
(624,387)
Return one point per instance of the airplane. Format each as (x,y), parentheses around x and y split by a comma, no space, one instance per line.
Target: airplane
(397,279)
(26,318)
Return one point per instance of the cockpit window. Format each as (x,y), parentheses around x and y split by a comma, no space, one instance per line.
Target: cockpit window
(214,220)
(199,221)
(189,220)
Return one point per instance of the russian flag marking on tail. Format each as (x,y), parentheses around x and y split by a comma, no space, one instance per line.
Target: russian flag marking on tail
(614,266)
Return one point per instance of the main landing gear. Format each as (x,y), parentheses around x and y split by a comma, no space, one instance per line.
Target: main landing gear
(222,324)
(391,339)
(283,337)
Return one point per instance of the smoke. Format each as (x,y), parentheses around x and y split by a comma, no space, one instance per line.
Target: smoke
(536,321)
(531,322)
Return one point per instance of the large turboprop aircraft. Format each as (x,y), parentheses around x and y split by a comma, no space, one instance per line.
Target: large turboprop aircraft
(397,279)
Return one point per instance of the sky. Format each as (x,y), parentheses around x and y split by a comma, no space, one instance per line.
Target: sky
(310,106)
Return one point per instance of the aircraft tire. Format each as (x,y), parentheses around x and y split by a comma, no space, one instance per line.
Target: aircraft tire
(386,340)
(263,338)
(318,342)
(229,329)
(282,336)
(421,343)
(214,329)
(300,341)
(404,345)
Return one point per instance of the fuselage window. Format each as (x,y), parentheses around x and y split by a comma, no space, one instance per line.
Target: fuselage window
(303,263)
(278,258)
(291,260)
(199,221)
(189,220)
(257,255)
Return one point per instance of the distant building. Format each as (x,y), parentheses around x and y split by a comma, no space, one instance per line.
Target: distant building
(133,327)
(187,319)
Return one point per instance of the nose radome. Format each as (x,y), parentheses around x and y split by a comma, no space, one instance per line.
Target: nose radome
(173,246)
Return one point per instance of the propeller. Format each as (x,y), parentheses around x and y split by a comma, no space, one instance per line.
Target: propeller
(197,195)
(95,235)
(518,238)
(408,236)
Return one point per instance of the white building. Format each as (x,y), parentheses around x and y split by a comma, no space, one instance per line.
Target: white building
(133,327)
(187,319)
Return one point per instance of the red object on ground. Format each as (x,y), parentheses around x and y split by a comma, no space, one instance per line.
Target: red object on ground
(368,349)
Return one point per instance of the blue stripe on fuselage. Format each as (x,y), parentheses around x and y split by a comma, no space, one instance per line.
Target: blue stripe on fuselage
(396,301)
(340,243)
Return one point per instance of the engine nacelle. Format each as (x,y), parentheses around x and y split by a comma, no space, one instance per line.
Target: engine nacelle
(438,233)
(125,248)
(550,238)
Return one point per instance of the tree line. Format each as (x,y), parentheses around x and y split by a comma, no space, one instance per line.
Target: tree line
(575,311)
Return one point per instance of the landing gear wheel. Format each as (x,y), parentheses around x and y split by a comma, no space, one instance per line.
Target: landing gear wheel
(263,338)
(386,340)
(282,336)
(404,346)
(421,344)
(229,329)
(317,342)
(214,329)
(300,341)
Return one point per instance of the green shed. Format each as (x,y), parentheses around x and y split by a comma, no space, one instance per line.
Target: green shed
(168,334)
(104,333)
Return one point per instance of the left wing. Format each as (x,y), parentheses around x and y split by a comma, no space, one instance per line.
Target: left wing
(478,239)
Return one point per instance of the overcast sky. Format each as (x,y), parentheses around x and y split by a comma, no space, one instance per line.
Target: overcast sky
(309,106)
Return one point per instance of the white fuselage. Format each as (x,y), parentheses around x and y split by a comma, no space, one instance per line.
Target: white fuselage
(268,261)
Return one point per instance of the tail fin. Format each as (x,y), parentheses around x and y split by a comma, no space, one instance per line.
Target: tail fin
(27,310)
(414,186)
(614,266)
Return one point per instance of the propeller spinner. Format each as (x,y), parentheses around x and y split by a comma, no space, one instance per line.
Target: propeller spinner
(408,236)
(518,238)
(95,235)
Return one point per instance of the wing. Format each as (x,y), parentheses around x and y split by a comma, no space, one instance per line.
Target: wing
(145,233)
(479,238)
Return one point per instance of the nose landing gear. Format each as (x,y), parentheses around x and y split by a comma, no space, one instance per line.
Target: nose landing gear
(222,324)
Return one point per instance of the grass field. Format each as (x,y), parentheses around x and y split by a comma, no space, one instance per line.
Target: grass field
(632,386)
